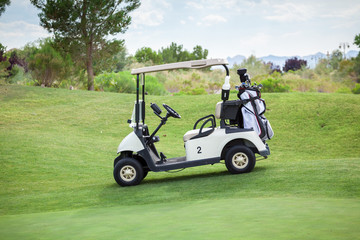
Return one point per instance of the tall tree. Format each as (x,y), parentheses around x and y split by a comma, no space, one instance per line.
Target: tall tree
(199,53)
(3,4)
(86,24)
(177,53)
(146,54)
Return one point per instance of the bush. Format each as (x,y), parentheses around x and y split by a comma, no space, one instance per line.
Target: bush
(124,82)
(121,82)
(153,86)
(343,90)
(356,90)
(274,85)
(19,76)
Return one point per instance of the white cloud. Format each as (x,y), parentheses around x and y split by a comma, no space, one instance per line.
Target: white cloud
(16,34)
(342,11)
(286,12)
(194,5)
(211,20)
(148,18)
(291,34)
(150,13)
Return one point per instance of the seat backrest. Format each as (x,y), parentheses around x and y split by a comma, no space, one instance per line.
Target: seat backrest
(218,110)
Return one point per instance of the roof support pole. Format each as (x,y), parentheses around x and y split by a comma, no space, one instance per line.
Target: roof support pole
(143,99)
(137,102)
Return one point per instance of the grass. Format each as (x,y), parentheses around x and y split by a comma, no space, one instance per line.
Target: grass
(57,149)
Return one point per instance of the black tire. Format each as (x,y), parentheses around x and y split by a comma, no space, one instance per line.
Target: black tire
(128,172)
(240,159)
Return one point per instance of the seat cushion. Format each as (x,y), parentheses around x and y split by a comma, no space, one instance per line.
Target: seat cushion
(218,110)
(192,133)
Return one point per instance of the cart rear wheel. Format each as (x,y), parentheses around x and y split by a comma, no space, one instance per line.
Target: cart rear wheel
(128,172)
(240,159)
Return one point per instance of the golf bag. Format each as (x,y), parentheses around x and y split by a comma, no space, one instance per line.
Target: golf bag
(253,109)
(247,111)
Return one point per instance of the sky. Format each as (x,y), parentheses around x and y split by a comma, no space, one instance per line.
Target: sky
(225,28)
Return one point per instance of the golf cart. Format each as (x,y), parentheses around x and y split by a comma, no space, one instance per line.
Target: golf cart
(235,140)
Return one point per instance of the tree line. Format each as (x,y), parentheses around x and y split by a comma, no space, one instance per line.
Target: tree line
(170,54)
(80,48)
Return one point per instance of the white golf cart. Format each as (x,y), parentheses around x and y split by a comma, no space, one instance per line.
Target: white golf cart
(204,144)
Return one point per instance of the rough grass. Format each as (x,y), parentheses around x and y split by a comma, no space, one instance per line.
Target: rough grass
(57,149)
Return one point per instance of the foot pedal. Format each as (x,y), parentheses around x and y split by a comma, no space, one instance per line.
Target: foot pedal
(163,157)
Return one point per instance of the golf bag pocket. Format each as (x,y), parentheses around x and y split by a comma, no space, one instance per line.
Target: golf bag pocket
(250,120)
(269,133)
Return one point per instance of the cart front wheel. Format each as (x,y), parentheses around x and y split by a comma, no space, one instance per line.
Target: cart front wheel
(128,172)
(240,159)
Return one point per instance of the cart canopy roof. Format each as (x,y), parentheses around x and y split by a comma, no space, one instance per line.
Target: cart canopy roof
(196,64)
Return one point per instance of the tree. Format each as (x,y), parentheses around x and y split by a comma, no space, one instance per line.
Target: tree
(176,53)
(3,4)
(199,53)
(294,64)
(357,40)
(4,63)
(173,53)
(47,65)
(146,54)
(335,59)
(86,23)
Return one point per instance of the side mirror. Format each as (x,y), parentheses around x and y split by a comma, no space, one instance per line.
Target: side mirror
(156,108)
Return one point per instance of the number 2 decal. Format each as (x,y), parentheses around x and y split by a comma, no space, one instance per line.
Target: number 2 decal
(199,150)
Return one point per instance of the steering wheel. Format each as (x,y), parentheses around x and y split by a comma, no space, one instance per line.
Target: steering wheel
(171,111)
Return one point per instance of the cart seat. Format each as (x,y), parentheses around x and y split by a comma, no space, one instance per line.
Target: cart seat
(218,110)
(192,133)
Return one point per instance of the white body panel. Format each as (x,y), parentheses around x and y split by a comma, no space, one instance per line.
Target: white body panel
(130,143)
(211,146)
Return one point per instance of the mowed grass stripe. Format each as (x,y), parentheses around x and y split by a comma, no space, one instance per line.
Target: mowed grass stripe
(250,218)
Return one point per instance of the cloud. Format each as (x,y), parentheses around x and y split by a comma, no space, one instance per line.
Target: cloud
(211,19)
(291,34)
(18,33)
(148,18)
(345,11)
(194,5)
(290,12)
(22,28)
(150,13)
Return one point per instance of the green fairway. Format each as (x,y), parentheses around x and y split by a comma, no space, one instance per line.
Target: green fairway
(56,160)
(249,218)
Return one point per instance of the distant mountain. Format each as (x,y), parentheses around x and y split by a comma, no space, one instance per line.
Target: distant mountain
(236,60)
(312,60)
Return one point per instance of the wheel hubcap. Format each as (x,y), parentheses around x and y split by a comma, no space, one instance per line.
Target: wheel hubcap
(240,160)
(128,173)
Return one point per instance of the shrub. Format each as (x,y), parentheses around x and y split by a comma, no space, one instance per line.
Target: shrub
(153,86)
(121,82)
(124,82)
(356,90)
(343,90)
(274,85)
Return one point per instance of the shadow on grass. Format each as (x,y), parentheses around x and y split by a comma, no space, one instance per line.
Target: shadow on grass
(159,187)
(190,177)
